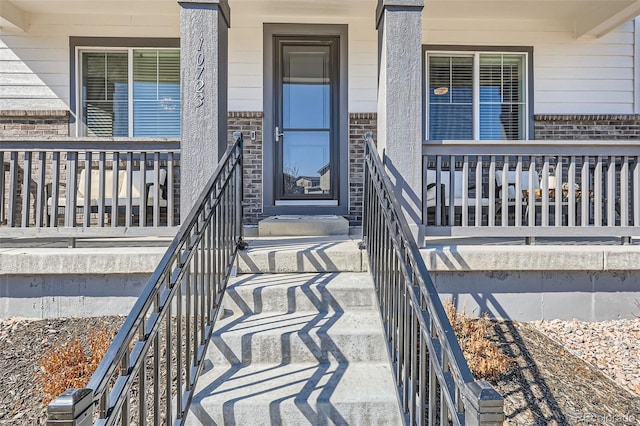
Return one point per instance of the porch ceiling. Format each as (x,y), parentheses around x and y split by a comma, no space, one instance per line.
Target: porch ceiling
(586,18)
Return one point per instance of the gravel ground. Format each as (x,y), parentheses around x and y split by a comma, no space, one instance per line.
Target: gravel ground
(549,384)
(611,346)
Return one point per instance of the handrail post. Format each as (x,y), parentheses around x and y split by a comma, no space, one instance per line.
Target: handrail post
(485,406)
(73,408)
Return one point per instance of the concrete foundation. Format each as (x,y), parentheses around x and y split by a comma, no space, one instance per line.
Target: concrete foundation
(587,282)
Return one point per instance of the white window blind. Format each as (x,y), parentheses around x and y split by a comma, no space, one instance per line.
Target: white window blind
(105,87)
(488,86)
(131,93)
(450,97)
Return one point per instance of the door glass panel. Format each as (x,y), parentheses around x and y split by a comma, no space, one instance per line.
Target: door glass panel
(306,169)
(306,84)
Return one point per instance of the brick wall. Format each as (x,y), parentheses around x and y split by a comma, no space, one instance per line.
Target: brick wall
(34,123)
(359,125)
(576,127)
(247,122)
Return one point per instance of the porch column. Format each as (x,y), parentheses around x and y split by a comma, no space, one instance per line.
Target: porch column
(204,26)
(399,24)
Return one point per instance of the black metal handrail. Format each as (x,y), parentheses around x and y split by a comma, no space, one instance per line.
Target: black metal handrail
(183,296)
(424,350)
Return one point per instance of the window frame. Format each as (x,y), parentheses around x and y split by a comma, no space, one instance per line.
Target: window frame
(475,52)
(79,45)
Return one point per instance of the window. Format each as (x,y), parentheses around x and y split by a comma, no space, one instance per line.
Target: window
(477,95)
(130,92)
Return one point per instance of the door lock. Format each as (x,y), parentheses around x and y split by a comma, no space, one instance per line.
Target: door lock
(278,135)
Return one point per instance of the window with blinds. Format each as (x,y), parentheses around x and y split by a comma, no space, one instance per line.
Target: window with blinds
(135,92)
(476,96)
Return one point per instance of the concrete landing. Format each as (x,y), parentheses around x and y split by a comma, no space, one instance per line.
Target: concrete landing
(302,254)
(298,349)
(298,225)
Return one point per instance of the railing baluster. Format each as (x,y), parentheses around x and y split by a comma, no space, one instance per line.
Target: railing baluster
(55,191)
(492,191)
(170,197)
(142,382)
(71,190)
(451,196)
(545,192)
(571,192)
(168,358)
(88,195)
(558,193)
(102,159)
(518,194)
(585,192)
(125,415)
(504,195)
(156,189)
(26,189)
(611,191)
(129,189)
(439,193)
(115,191)
(41,202)
(624,191)
(156,363)
(143,196)
(465,191)
(531,205)
(478,196)
(597,192)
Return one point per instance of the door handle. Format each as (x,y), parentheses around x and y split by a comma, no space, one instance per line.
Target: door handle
(278,135)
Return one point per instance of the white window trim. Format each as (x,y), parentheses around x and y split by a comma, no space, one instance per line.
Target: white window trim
(80,129)
(476,85)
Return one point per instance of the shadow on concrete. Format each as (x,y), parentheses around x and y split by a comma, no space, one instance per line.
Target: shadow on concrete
(305,381)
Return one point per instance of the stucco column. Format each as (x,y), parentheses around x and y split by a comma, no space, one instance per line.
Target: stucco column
(204,26)
(399,24)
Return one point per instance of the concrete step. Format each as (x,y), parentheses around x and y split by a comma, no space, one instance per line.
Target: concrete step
(299,337)
(256,293)
(302,254)
(297,394)
(299,225)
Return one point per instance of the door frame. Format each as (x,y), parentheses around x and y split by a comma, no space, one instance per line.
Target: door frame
(269,106)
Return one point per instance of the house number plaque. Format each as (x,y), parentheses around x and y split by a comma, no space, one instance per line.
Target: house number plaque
(199,85)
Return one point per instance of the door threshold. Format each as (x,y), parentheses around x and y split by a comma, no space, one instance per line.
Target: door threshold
(306,202)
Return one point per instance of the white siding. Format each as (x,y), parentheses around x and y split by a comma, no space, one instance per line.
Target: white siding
(34,66)
(246,59)
(570,76)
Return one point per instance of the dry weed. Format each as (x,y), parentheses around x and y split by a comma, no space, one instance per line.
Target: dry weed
(485,359)
(70,365)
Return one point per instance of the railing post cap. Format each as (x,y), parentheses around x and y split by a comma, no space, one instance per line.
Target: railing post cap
(71,405)
(237,135)
(484,392)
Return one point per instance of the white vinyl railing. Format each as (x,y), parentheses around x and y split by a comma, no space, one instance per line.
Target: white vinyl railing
(531,188)
(88,186)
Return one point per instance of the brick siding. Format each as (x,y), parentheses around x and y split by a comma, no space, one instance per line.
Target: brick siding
(586,127)
(359,125)
(34,123)
(247,122)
